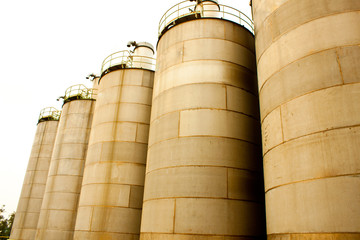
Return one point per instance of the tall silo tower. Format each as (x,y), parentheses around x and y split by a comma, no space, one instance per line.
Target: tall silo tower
(59,208)
(28,210)
(308,56)
(112,190)
(204,171)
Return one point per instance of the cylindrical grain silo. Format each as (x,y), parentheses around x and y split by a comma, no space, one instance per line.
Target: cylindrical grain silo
(308,56)
(59,208)
(112,190)
(204,173)
(32,193)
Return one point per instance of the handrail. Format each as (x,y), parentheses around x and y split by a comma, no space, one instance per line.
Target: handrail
(186,8)
(49,113)
(127,60)
(79,91)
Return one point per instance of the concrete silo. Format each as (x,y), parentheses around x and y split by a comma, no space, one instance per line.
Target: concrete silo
(112,190)
(204,171)
(308,55)
(28,210)
(59,208)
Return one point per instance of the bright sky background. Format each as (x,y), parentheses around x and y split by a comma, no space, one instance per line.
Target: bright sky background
(47,46)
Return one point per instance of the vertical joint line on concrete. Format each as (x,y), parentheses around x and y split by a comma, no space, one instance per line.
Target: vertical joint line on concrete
(227,183)
(174,215)
(179,123)
(339,64)
(282,127)
(226,101)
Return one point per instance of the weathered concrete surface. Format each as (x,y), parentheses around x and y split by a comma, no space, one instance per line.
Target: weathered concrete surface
(112,190)
(32,193)
(308,55)
(59,208)
(204,174)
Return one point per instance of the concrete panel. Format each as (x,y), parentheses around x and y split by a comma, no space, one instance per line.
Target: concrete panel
(190,96)
(320,206)
(331,153)
(114,131)
(165,127)
(158,216)
(135,94)
(136,197)
(108,220)
(335,107)
(193,217)
(142,133)
(117,152)
(117,173)
(245,185)
(272,130)
(105,195)
(217,123)
(204,151)
(186,182)
(215,71)
(214,49)
(242,101)
(349,58)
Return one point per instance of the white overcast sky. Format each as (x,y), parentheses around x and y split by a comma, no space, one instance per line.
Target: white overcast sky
(47,46)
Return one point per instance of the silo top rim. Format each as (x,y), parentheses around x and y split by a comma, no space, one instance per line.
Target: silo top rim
(145,44)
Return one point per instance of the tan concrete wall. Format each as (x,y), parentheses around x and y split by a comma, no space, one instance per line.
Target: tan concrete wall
(32,193)
(204,174)
(59,208)
(308,55)
(112,191)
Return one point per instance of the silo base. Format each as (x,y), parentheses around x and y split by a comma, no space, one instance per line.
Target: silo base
(170,236)
(315,236)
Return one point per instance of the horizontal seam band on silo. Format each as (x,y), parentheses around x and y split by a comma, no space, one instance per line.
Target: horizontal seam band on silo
(121,86)
(204,60)
(296,26)
(205,108)
(208,197)
(206,38)
(106,232)
(61,210)
(312,53)
(108,206)
(200,136)
(202,83)
(115,141)
(119,103)
(72,193)
(109,122)
(115,162)
(111,183)
(204,166)
(310,134)
(312,180)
